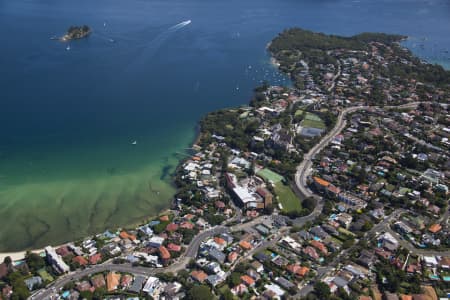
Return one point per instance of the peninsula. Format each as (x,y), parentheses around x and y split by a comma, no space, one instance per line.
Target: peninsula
(333,188)
(76,32)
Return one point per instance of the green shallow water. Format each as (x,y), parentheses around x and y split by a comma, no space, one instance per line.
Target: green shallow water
(62,196)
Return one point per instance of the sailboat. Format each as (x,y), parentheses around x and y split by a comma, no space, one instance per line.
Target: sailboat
(134,143)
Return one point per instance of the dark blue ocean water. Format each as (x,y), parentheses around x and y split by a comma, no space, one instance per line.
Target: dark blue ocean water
(71,115)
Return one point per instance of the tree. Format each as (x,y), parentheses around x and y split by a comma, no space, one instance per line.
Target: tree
(322,290)
(86,295)
(234,279)
(7,260)
(309,203)
(227,295)
(200,292)
(34,261)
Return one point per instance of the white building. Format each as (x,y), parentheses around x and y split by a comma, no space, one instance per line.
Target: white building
(56,261)
(156,241)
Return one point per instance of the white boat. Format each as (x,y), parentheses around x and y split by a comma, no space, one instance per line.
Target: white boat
(134,143)
(68,48)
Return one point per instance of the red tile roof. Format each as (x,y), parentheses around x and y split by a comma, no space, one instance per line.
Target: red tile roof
(187,225)
(232,256)
(245,245)
(164,218)
(247,280)
(165,254)
(125,235)
(435,228)
(200,276)
(80,260)
(318,245)
(172,227)
(174,247)
(94,259)
(219,241)
(320,181)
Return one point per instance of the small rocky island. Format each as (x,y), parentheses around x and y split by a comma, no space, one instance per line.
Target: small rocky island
(76,32)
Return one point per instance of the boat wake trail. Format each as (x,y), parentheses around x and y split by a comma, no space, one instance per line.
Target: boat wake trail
(149,49)
(180,25)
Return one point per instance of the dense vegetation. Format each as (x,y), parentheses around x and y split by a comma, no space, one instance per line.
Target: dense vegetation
(305,40)
(78,32)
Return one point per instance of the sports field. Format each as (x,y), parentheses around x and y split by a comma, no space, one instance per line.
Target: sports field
(269,175)
(286,196)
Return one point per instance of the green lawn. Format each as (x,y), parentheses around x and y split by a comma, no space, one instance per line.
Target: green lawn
(287,198)
(299,112)
(269,175)
(312,120)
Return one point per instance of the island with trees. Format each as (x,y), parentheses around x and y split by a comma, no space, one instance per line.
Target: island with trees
(76,32)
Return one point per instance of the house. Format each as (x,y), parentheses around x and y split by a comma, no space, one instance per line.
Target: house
(33,282)
(245,245)
(239,289)
(152,287)
(187,225)
(248,281)
(311,252)
(125,235)
(253,274)
(83,286)
(112,249)
(137,284)
(199,276)
(63,251)
(215,279)
(164,254)
(173,247)
(262,229)
(216,255)
(319,246)
(112,281)
(402,228)
(171,227)
(164,218)
(95,259)
(156,242)
(284,283)
(297,270)
(172,290)
(213,267)
(98,281)
(275,290)
(80,260)
(257,266)
(232,257)
(430,261)
(344,219)
(228,238)
(435,228)
(319,232)
(126,280)
(220,242)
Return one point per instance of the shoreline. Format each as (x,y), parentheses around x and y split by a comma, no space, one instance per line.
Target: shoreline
(20,254)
